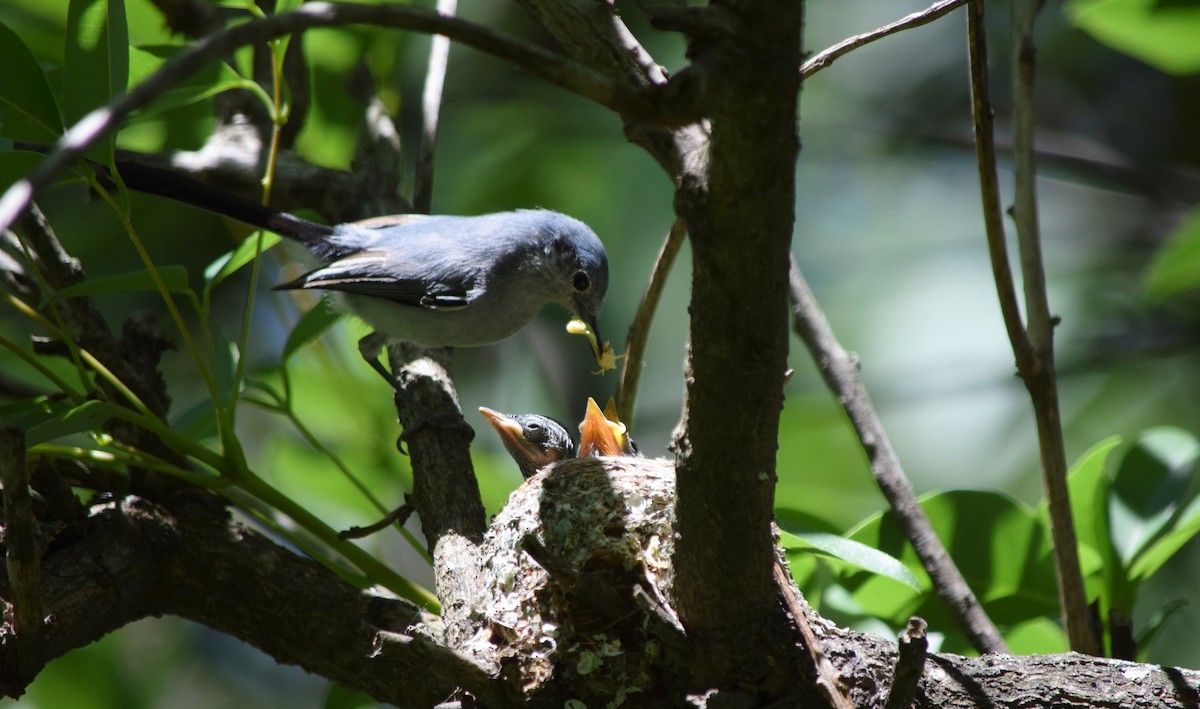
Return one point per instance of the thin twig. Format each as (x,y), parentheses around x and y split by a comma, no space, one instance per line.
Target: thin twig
(1032,346)
(1041,382)
(23,552)
(840,371)
(827,56)
(989,187)
(910,665)
(829,682)
(639,331)
(431,108)
(543,63)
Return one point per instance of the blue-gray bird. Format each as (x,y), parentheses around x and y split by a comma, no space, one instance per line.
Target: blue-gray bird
(436,281)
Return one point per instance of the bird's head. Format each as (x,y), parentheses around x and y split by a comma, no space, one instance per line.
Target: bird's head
(533,441)
(580,267)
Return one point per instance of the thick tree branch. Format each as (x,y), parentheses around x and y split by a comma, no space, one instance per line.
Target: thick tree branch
(737,356)
(593,33)
(135,559)
(22,545)
(607,527)
(825,57)
(445,490)
(839,369)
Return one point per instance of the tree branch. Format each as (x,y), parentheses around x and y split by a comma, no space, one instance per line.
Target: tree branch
(594,34)
(608,525)
(737,356)
(431,106)
(827,56)
(135,559)
(540,62)
(22,546)
(1032,344)
(839,369)
(639,330)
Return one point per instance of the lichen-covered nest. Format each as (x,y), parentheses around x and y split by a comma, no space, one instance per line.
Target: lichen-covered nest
(576,569)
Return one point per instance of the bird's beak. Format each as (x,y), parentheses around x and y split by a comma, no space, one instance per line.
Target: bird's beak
(591,322)
(528,456)
(597,435)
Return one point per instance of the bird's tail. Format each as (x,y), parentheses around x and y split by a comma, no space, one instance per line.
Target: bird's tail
(181,188)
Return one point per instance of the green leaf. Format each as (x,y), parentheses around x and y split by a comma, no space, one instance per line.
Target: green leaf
(310,326)
(999,545)
(1182,531)
(88,416)
(16,164)
(209,80)
(851,552)
(95,62)
(1153,626)
(1176,267)
(1148,487)
(229,264)
(339,697)
(28,110)
(1042,636)
(1087,485)
(174,277)
(1162,34)
(29,413)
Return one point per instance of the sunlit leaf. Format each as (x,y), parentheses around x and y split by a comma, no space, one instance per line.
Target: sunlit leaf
(1162,34)
(229,264)
(1183,530)
(1043,636)
(209,80)
(851,552)
(28,110)
(1148,488)
(96,62)
(1083,480)
(999,545)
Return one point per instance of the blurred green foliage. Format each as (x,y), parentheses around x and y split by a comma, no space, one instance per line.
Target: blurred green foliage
(887,232)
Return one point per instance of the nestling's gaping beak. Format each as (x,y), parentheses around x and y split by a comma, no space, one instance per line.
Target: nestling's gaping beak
(599,436)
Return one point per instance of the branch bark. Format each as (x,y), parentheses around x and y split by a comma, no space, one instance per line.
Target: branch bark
(737,356)
(825,57)
(1033,340)
(542,63)
(131,558)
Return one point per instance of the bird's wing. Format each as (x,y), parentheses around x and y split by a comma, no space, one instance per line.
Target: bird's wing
(373,273)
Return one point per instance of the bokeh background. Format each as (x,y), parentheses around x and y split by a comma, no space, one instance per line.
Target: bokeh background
(888,232)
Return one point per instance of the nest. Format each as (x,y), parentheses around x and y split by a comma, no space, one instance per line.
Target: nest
(575,576)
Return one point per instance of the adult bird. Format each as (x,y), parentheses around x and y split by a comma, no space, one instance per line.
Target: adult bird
(436,281)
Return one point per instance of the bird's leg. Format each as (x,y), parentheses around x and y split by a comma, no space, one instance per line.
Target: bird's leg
(371,348)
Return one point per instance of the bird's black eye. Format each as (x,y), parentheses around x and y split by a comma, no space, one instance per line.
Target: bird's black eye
(533,426)
(581,281)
